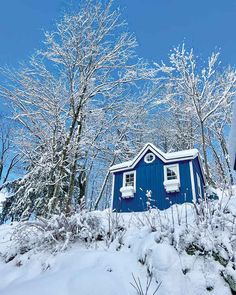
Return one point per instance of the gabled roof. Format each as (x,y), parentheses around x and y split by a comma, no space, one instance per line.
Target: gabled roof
(165,157)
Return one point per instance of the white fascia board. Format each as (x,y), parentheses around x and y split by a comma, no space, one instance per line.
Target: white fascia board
(121,165)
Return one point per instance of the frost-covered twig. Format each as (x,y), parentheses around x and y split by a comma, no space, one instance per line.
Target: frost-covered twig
(144,290)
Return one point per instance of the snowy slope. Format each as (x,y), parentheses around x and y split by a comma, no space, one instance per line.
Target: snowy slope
(148,241)
(77,271)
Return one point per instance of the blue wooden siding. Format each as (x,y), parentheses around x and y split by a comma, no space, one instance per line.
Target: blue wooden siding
(151,177)
(197,170)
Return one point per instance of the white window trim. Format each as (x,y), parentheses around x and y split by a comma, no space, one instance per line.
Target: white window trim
(145,158)
(199,187)
(165,172)
(124,177)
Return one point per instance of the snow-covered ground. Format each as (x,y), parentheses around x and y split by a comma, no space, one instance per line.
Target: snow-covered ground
(147,242)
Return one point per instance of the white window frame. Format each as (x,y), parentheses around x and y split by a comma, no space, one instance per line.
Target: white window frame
(146,156)
(124,178)
(165,172)
(199,187)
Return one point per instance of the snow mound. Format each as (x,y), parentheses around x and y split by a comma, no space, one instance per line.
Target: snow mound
(188,250)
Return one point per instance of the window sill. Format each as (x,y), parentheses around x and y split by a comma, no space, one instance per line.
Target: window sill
(172,186)
(127,192)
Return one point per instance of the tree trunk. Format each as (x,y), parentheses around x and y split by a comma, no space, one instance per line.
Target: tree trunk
(103,186)
(74,167)
(205,153)
(226,156)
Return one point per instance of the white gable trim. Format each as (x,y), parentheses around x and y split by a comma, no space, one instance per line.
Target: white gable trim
(164,157)
(192,182)
(147,147)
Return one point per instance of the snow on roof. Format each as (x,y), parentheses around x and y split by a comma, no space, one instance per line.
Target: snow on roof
(166,157)
(182,154)
(121,165)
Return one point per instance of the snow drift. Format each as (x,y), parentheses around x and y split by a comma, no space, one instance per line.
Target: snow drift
(184,248)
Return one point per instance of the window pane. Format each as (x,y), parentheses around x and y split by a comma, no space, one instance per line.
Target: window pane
(171,173)
(150,157)
(129,179)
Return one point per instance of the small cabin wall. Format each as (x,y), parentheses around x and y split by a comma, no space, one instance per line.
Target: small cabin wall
(151,177)
(197,170)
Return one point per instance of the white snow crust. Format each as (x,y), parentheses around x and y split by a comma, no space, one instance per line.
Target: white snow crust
(107,269)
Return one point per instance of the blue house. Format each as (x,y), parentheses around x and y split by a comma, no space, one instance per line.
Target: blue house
(154,179)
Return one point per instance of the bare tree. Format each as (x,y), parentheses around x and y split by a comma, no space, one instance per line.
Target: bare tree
(62,97)
(200,92)
(8,154)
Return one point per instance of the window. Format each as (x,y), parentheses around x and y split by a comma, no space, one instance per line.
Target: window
(199,187)
(129,179)
(171,178)
(149,158)
(171,172)
(129,184)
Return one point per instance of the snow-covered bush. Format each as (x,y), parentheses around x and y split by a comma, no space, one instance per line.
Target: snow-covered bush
(57,232)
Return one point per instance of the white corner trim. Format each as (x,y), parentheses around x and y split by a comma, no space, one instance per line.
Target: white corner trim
(199,187)
(192,182)
(112,190)
(128,172)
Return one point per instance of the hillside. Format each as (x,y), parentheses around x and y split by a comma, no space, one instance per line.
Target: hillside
(184,250)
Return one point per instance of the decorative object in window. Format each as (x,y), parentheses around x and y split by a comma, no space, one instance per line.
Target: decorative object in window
(171,178)
(171,172)
(149,158)
(129,184)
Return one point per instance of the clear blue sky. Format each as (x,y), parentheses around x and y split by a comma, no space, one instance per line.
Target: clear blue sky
(158,25)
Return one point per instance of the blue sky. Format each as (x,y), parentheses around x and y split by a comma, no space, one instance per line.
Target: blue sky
(158,25)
